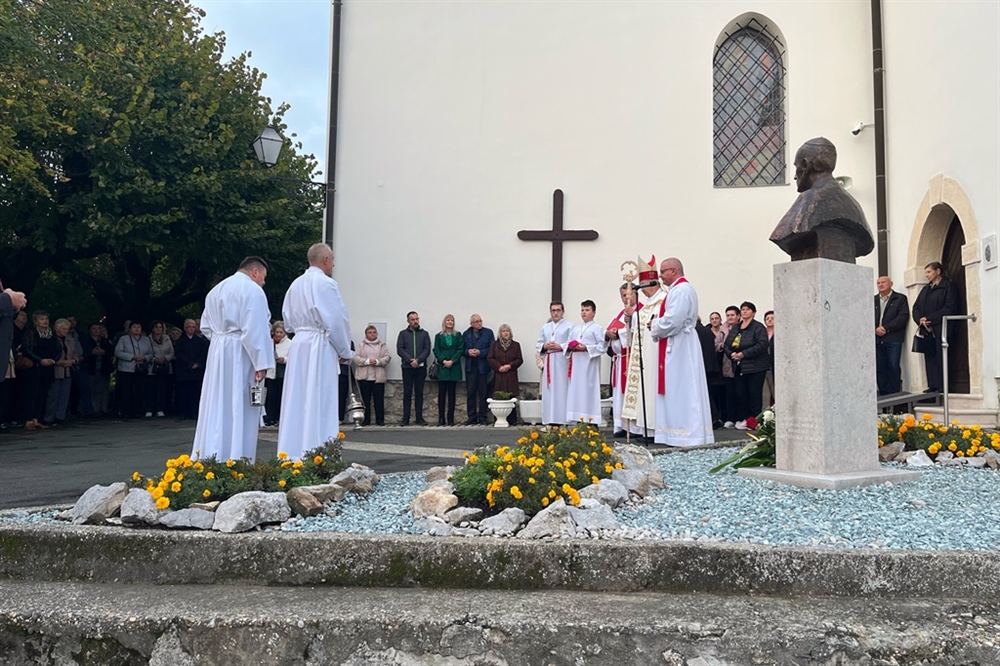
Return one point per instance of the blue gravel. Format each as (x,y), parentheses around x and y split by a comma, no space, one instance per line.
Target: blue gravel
(948,508)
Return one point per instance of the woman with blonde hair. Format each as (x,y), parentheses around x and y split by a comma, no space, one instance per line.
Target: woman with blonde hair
(448,348)
(370,359)
(504,359)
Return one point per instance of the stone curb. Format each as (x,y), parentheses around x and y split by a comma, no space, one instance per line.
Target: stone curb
(64,553)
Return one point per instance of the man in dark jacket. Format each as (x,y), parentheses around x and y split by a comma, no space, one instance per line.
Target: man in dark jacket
(939,298)
(892,313)
(10,302)
(98,361)
(413,344)
(477,346)
(190,355)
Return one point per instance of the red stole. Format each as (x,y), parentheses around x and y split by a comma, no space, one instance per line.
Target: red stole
(622,371)
(661,383)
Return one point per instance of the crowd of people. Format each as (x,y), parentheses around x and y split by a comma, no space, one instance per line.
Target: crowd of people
(53,373)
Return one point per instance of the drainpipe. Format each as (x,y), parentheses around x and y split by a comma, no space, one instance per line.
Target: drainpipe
(331,145)
(878,83)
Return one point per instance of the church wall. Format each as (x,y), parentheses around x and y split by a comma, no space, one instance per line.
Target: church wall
(458,120)
(943,133)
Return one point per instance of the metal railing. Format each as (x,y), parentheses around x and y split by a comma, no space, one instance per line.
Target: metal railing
(944,357)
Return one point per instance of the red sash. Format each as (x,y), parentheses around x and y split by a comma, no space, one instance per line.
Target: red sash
(661,383)
(623,360)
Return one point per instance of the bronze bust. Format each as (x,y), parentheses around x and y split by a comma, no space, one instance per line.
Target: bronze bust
(825,221)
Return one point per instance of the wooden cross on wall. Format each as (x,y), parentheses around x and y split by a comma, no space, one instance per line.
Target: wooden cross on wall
(557,235)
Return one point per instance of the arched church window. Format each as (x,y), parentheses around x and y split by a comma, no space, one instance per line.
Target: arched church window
(749,107)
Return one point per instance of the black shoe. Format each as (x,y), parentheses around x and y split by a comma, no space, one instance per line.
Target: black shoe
(471,422)
(364,423)
(404,422)
(716,424)
(441,422)
(421,422)
(619,433)
(380,423)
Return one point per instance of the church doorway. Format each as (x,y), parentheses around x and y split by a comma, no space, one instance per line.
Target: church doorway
(958,356)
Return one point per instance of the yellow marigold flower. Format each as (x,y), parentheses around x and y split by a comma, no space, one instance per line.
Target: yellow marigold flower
(210,476)
(545,501)
(508,457)
(522,440)
(198,467)
(502,450)
(175,486)
(585,456)
(162,503)
(954,422)
(282,455)
(297,464)
(552,493)
(282,483)
(286,463)
(171,463)
(232,474)
(960,454)
(473,459)
(570,475)
(927,417)
(531,479)
(169,475)
(534,434)
(341,435)
(966,434)
(558,464)
(618,465)
(157,493)
(206,493)
(976,442)
(594,479)
(880,442)
(509,467)
(952,446)
(240,475)
(552,474)
(608,468)
(230,463)
(180,477)
(136,476)
(566,488)
(295,471)
(516,492)
(318,460)
(465,455)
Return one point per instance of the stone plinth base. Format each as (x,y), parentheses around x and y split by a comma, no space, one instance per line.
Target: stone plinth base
(830,481)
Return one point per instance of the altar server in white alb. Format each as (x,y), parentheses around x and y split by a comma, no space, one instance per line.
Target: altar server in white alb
(683,413)
(238,324)
(551,343)
(584,350)
(314,311)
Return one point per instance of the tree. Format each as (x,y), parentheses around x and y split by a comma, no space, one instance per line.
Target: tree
(125,159)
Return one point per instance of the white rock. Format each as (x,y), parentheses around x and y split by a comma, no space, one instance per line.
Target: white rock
(325,492)
(434,526)
(945,454)
(606,491)
(245,511)
(592,515)
(552,521)
(919,459)
(189,518)
(440,483)
(635,480)
(98,504)
(139,508)
(992,459)
(890,451)
(638,457)
(435,501)
(356,479)
(975,461)
(504,523)
(462,514)
(439,473)
(949,462)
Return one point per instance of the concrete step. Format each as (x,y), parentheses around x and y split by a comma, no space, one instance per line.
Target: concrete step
(186,625)
(122,555)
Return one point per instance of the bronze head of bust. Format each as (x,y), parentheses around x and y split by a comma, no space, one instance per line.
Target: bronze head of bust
(825,221)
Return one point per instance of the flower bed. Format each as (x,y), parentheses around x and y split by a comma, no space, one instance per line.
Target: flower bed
(544,466)
(960,440)
(186,481)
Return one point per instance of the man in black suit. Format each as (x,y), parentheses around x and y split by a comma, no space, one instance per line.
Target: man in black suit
(938,298)
(892,312)
(10,302)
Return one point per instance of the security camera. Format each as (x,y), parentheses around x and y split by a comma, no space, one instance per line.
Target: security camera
(856,130)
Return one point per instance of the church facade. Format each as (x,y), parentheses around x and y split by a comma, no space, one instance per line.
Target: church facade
(670,129)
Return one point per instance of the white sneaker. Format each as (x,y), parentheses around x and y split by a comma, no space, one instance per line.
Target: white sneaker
(729,424)
(741,425)
(149,414)
(160,414)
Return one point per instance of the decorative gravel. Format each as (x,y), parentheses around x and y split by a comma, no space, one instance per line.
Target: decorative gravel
(948,508)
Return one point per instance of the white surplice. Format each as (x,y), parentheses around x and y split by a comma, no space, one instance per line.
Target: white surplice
(583,395)
(554,379)
(642,354)
(237,323)
(314,311)
(683,413)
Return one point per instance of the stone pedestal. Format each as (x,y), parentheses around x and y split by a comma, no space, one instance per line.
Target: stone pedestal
(824,376)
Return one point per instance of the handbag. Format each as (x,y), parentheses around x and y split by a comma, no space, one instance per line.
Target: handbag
(432,371)
(161,369)
(23,363)
(923,344)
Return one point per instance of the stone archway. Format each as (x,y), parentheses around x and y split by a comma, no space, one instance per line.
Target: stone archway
(944,204)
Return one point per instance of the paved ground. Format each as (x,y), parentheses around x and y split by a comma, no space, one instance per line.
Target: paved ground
(56,466)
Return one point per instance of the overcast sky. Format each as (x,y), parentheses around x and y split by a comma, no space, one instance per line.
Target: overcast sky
(290,42)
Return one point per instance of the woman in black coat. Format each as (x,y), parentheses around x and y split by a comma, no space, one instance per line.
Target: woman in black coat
(937,299)
(41,347)
(746,346)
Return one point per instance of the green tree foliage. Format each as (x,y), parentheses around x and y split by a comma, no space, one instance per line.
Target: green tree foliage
(126,165)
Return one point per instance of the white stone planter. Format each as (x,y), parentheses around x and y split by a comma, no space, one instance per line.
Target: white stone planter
(501,410)
(606,405)
(530,411)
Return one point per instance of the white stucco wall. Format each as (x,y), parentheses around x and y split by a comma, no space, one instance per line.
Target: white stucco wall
(459,119)
(943,117)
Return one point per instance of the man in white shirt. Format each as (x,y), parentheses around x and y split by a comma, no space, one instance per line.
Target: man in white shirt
(551,343)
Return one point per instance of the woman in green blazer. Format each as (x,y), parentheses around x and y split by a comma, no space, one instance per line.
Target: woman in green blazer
(448,348)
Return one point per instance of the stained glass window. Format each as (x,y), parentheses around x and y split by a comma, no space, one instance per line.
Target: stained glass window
(749,107)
